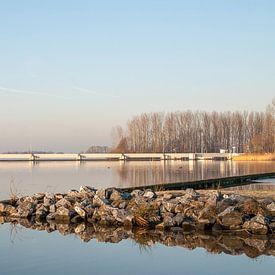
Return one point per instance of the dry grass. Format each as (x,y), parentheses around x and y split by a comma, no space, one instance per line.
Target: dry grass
(256,157)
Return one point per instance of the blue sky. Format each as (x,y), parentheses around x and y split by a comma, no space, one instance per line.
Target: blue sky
(70,70)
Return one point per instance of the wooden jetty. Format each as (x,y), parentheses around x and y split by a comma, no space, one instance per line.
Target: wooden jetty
(212,183)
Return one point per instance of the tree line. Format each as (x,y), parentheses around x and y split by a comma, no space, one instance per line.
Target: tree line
(198,131)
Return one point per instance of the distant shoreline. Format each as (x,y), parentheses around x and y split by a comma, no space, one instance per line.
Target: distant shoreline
(255,157)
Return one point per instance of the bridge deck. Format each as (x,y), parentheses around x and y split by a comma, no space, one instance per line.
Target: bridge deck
(107,156)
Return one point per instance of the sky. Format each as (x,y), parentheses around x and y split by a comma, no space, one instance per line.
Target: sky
(71,70)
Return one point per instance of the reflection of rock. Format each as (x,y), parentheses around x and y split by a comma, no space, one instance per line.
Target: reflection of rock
(252,246)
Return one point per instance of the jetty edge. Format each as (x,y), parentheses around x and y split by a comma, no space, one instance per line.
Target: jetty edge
(209,183)
(185,211)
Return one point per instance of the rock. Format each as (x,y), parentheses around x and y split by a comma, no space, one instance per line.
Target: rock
(168,221)
(25,209)
(270,207)
(41,212)
(167,196)
(39,196)
(52,208)
(250,206)
(170,206)
(224,204)
(73,193)
(232,220)
(176,229)
(2,207)
(48,201)
(63,214)
(89,209)
(51,216)
(137,192)
(207,213)
(76,219)
(256,225)
(178,219)
(226,211)
(80,228)
(58,196)
(50,196)
(97,201)
(128,221)
(123,205)
(119,214)
(64,203)
(191,193)
(80,211)
(213,199)
(217,228)
(179,208)
(118,195)
(187,227)
(101,193)
(87,191)
(149,194)
(160,226)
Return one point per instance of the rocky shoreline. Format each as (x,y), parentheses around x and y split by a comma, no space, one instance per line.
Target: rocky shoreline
(188,211)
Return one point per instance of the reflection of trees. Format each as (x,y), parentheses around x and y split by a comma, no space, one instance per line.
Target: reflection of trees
(251,246)
(135,174)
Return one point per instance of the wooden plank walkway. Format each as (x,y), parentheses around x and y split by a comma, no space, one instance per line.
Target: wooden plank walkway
(206,183)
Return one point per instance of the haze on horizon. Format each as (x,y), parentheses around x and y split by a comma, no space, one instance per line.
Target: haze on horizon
(71,70)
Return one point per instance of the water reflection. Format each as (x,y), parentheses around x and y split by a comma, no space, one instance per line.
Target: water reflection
(251,246)
(28,177)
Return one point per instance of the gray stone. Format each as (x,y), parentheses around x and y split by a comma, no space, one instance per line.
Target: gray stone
(87,190)
(80,211)
(80,228)
(149,194)
(52,208)
(232,220)
(63,203)
(271,208)
(178,219)
(170,206)
(63,214)
(257,225)
(137,192)
(97,201)
(191,193)
(25,209)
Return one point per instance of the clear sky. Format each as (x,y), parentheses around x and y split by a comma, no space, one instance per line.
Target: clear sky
(70,70)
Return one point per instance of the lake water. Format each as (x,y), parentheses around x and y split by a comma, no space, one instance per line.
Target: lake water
(114,251)
(30,249)
(27,177)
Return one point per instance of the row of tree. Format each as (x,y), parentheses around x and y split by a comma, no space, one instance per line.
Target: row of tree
(198,131)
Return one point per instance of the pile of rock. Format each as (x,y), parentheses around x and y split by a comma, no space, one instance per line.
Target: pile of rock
(179,212)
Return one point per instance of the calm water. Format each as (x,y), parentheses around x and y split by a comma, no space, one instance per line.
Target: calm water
(35,251)
(27,178)
(26,251)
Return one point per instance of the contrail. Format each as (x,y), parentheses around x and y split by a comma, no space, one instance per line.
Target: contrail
(94,93)
(24,92)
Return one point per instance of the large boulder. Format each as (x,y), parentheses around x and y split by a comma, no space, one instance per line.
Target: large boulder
(25,209)
(257,225)
(79,210)
(63,214)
